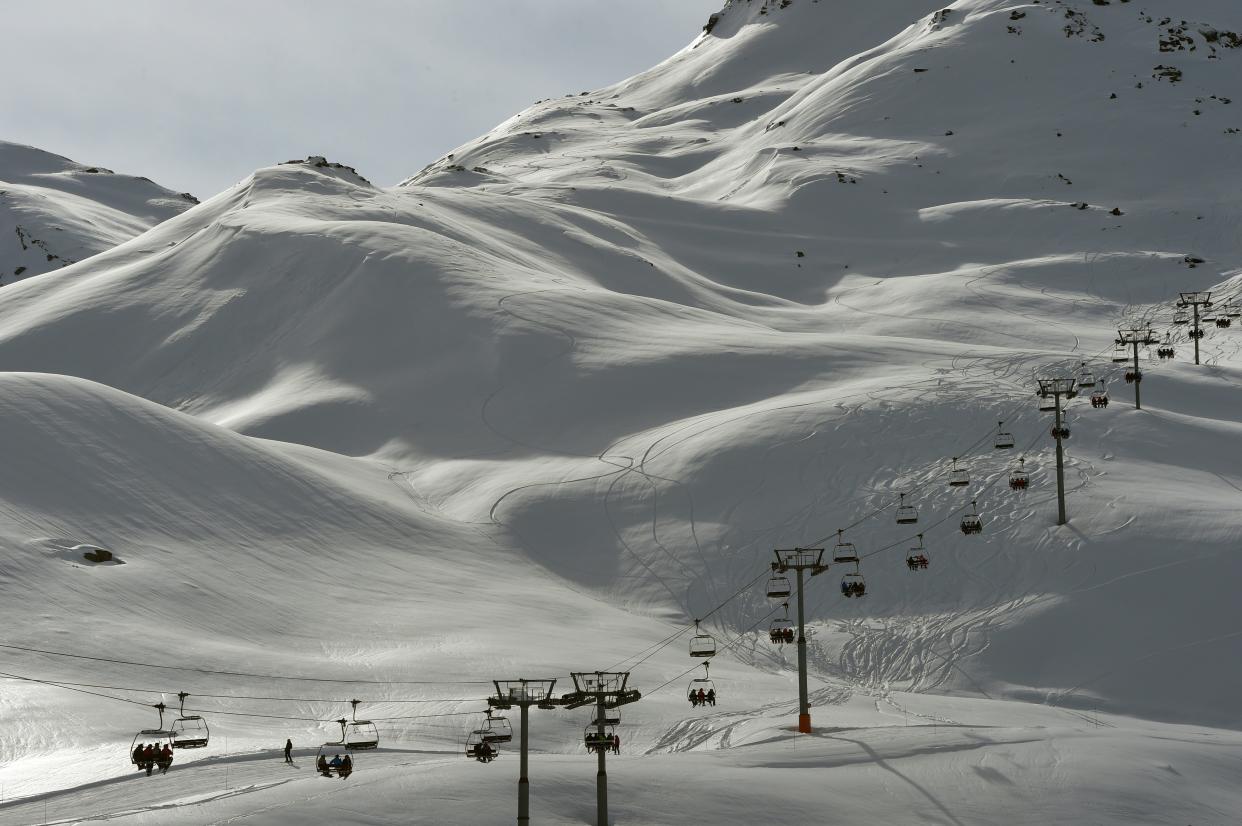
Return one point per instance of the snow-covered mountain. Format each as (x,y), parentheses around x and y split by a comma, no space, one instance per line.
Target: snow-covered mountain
(564,390)
(54,212)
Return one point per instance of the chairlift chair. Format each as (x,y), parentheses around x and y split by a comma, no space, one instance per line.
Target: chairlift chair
(778,587)
(844,551)
(478,748)
(1100,398)
(958,477)
(701,644)
(498,728)
(1208,315)
(1019,479)
(705,685)
(916,559)
(1195,334)
(1232,310)
(359,735)
(1224,321)
(1086,378)
(1004,441)
(906,514)
(971,523)
(596,742)
(1181,317)
(781,632)
(331,751)
(158,737)
(190,731)
(853,585)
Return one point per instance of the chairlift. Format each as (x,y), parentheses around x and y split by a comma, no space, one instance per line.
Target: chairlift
(844,551)
(702,691)
(1232,310)
(701,644)
(781,632)
(971,523)
(1133,376)
(1224,321)
(853,585)
(958,477)
(1086,379)
(189,730)
(335,758)
(1004,441)
(1208,315)
(1019,479)
(1195,333)
(1181,317)
(1061,432)
(359,735)
(595,741)
(916,559)
(1100,398)
(1120,354)
(498,728)
(158,737)
(478,748)
(778,587)
(906,514)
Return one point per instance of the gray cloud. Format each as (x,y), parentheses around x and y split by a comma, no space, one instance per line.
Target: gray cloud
(196,95)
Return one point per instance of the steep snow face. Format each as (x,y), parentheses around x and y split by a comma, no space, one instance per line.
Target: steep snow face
(628,342)
(54,212)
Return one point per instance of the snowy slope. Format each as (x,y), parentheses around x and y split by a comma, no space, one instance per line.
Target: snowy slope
(54,212)
(564,390)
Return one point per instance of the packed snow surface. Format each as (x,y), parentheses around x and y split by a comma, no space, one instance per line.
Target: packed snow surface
(542,405)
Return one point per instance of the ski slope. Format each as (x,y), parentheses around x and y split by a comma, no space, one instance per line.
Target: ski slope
(54,212)
(549,400)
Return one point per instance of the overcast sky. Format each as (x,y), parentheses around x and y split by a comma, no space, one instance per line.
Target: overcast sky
(196,94)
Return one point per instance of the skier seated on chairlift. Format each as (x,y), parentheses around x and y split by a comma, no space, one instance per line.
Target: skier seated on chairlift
(615,744)
(346,767)
(148,757)
(164,758)
(321,766)
(694,697)
(139,759)
(702,697)
(711,697)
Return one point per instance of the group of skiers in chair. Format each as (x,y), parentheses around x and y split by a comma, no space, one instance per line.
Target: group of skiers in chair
(341,767)
(148,756)
(703,698)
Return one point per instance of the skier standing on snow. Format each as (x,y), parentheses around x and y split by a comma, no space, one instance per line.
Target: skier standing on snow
(288,751)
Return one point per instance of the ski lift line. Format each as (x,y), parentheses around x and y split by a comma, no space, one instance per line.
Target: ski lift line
(71,688)
(328,700)
(241,673)
(952,514)
(215,712)
(967,453)
(669,640)
(726,643)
